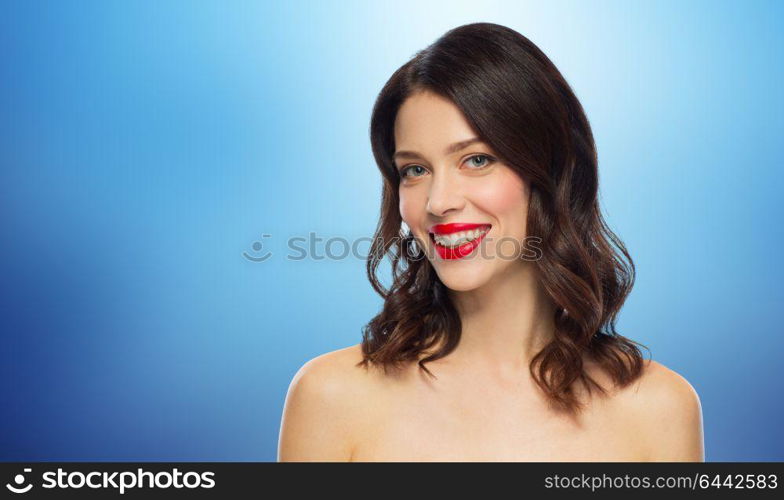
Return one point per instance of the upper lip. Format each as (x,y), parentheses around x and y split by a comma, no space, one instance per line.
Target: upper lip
(454,227)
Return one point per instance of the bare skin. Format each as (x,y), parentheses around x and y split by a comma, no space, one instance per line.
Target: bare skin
(336,411)
(484,404)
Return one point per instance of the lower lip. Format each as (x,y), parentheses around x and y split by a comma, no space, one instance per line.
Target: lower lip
(451,253)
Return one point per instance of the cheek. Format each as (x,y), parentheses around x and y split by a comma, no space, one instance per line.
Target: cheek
(507,201)
(411,207)
(505,197)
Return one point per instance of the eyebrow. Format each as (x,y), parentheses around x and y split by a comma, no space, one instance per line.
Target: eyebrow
(454,148)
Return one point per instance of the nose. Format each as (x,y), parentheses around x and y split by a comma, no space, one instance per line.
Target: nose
(445,195)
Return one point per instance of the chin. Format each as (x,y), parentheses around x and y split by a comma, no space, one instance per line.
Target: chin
(463,278)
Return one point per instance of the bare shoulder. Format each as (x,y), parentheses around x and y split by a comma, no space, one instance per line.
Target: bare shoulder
(334,374)
(325,399)
(666,413)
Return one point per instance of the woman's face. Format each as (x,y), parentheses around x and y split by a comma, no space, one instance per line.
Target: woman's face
(447,180)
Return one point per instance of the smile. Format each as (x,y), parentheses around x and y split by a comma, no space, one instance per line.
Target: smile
(457,240)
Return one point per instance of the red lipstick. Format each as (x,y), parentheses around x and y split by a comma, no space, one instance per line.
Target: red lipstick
(450,253)
(454,227)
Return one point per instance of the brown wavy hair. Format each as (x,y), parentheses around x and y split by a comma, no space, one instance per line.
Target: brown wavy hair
(519,103)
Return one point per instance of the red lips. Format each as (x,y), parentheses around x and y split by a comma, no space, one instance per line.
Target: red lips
(454,227)
(450,253)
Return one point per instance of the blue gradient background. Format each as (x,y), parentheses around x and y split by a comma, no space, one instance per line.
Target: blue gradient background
(144,146)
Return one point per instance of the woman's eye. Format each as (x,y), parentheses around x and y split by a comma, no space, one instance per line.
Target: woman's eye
(476,162)
(484,161)
(415,171)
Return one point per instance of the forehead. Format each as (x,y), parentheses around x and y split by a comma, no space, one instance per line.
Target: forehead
(428,122)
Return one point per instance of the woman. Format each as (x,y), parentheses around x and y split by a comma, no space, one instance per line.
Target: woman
(497,338)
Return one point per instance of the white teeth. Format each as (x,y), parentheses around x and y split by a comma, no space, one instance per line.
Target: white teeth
(459,238)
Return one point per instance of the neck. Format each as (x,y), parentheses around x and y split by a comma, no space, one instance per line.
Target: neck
(505,322)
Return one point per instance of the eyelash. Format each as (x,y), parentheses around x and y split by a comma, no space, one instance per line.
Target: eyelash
(490,161)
